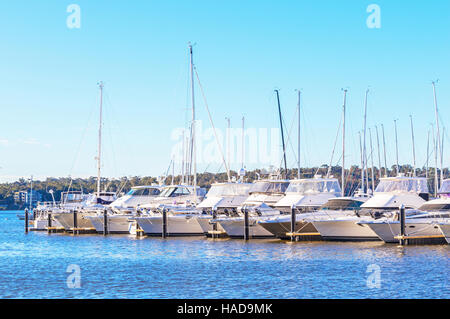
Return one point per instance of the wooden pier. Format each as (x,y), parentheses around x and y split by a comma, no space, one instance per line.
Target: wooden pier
(421,240)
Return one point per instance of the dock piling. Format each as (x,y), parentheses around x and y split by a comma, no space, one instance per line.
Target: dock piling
(26,220)
(105,222)
(402,225)
(49,220)
(246,226)
(75,222)
(293,223)
(164,223)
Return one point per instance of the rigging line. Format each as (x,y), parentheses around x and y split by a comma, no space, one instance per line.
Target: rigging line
(334,148)
(212,124)
(289,135)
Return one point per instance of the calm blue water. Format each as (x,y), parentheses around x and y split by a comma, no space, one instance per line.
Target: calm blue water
(34,266)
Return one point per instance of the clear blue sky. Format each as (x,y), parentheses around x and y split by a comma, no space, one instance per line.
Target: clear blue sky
(244,50)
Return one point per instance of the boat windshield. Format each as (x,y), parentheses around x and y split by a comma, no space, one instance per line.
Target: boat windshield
(175,191)
(269,187)
(445,187)
(428,207)
(314,186)
(232,189)
(409,185)
(72,197)
(144,192)
(341,204)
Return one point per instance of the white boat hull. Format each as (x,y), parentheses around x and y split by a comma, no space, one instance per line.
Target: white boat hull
(203,221)
(387,231)
(41,224)
(66,220)
(445,230)
(176,226)
(117,224)
(344,230)
(235,228)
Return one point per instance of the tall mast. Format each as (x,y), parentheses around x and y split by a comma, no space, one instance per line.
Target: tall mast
(343,144)
(362,163)
(436,181)
(243,143)
(438,135)
(396,146)
(182,160)
(384,151)
(228,141)
(298,142)
(413,146)
(379,154)
(193,155)
(99,155)
(428,154)
(282,132)
(364,139)
(31,193)
(371,159)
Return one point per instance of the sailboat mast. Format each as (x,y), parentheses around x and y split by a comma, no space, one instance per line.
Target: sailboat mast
(371,159)
(436,181)
(413,146)
(343,144)
(396,146)
(298,142)
(282,132)
(99,155)
(243,143)
(384,151)
(438,135)
(193,155)
(362,163)
(428,154)
(364,139)
(379,154)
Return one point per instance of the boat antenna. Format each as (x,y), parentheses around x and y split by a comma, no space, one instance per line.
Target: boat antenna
(99,155)
(282,131)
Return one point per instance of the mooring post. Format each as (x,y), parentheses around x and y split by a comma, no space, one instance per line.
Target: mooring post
(164,223)
(105,222)
(26,220)
(49,221)
(246,228)
(402,225)
(293,223)
(34,213)
(75,222)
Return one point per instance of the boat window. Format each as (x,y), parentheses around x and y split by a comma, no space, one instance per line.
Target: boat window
(314,186)
(144,192)
(180,191)
(338,204)
(414,185)
(269,187)
(430,207)
(445,187)
(234,189)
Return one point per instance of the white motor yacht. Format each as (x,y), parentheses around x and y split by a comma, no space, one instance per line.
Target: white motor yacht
(424,223)
(264,194)
(179,201)
(222,199)
(390,194)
